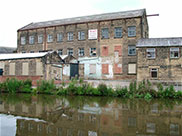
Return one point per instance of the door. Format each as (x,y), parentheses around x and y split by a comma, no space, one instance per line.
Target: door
(74,70)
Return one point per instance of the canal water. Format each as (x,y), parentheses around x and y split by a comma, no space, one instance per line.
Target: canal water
(47,115)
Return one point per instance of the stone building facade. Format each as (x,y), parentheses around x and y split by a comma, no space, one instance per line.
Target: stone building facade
(110,37)
(159,59)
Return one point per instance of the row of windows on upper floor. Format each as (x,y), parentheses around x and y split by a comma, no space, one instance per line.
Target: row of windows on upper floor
(81,35)
(92,51)
(151,53)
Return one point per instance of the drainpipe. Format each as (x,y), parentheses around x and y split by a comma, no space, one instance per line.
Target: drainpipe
(45,40)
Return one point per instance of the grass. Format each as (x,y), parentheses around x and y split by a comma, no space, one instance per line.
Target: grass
(143,89)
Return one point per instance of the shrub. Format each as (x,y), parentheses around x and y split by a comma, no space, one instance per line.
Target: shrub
(122,92)
(44,86)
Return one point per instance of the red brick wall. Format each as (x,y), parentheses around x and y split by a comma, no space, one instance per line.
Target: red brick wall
(105,68)
(119,49)
(105,51)
(117,69)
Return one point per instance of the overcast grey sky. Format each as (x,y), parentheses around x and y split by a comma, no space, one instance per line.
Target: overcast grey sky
(18,13)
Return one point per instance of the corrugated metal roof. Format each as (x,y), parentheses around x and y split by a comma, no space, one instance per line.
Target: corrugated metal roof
(160,42)
(21,55)
(7,49)
(91,18)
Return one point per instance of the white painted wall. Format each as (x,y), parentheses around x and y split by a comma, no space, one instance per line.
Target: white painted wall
(66,70)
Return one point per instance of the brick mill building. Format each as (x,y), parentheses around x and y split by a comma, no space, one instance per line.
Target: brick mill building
(160,59)
(104,44)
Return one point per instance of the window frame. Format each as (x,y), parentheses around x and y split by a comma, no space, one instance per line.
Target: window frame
(116,32)
(70,36)
(105,33)
(59,37)
(130,47)
(174,49)
(131,31)
(81,52)
(152,51)
(40,39)
(92,51)
(22,40)
(49,38)
(81,35)
(60,52)
(31,39)
(154,70)
(68,51)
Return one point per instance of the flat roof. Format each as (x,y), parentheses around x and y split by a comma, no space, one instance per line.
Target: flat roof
(83,19)
(159,42)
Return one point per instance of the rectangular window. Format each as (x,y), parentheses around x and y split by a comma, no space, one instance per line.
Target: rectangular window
(81,52)
(151,53)
(131,50)
(49,38)
(131,31)
(25,68)
(174,52)
(118,49)
(131,121)
(105,68)
(70,52)
(70,36)
(118,32)
(40,38)
(92,51)
(117,68)
(59,37)
(81,35)
(60,51)
(154,73)
(150,127)
(12,69)
(105,51)
(131,68)
(31,39)
(31,51)
(23,40)
(39,68)
(92,68)
(174,129)
(105,33)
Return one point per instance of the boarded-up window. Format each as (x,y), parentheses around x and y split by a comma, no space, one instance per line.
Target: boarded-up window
(105,51)
(12,69)
(25,69)
(131,68)
(118,49)
(39,68)
(117,68)
(1,65)
(105,68)
(92,68)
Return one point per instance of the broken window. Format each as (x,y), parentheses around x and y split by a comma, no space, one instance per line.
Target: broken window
(81,35)
(118,32)
(31,39)
(105,33)
(49,38)
(131,50)
(23,40)
(151,53)
(92,51)
(174,52)
(154,72)
(70,36)
(131,31)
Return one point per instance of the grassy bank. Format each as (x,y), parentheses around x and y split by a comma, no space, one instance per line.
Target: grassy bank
(143,89)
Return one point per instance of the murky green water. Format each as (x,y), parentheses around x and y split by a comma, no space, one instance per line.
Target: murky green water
(45,115)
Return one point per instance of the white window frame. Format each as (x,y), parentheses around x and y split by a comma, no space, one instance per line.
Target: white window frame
(131,50)
(151,53)
(131,31)
(59,37)
(93,52)
(40,38)
(70,36)
(173,51)
(105,33)
(31,39)
(23,40)
(81,52)
(81,35)
(118,32)
(70,52)
(153,70)
(49,38)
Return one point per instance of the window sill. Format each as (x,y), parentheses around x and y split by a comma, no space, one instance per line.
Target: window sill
(131,36)
(118,37)
(131,54)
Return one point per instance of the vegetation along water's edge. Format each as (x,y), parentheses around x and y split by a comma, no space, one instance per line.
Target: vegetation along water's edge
(143,89)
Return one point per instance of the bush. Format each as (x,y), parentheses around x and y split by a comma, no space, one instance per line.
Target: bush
(122,92)
(44,86)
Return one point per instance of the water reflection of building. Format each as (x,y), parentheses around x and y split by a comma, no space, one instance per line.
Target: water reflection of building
(93,120)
